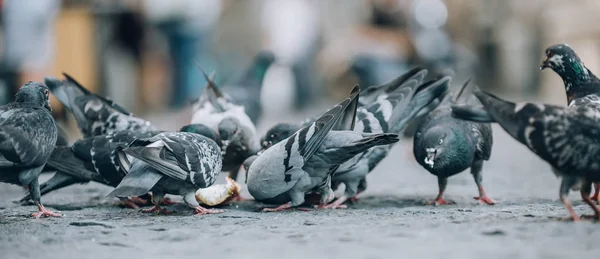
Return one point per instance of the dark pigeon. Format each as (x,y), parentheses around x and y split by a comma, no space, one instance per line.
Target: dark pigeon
(89,159)
(27,136)
(95,114)
(237,132)
(567,138)
(306,161)
(446,146)
(169,163)
(581,85)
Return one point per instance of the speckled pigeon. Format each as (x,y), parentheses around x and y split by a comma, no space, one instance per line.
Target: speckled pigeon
(238,135)
(306,161)
(169,163)
(581,85)
(27,136)
(567,138)
(446,146)
(95,114)
(89,159)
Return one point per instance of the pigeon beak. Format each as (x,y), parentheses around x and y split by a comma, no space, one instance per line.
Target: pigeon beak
(430,159)
(545,64)
(224,145)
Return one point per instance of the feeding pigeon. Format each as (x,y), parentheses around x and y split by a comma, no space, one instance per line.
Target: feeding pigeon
(389,115)
(305,161)
(237,133)
(27,136)
(169,163)
(581,85)
(446,146)
(246,91)
(386,108)
(95,114)
(567,138)
(89,159)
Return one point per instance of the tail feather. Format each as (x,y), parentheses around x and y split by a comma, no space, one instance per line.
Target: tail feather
(471,113)
(342,154)
(64,160)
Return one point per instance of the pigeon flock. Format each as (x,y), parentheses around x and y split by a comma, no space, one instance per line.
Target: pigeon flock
(295,166)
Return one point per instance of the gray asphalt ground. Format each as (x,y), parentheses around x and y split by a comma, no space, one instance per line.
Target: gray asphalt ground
(390,220)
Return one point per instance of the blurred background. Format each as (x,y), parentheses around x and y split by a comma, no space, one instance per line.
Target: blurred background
(141,52)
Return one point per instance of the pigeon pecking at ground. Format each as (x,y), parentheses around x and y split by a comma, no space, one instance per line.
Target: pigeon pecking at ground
(389,115)
(237,133)
(95,114)
(169,163)
(27,136)
(90,159)
(581,85)
(446,146)
(306,161)
(567,138)
(383,109)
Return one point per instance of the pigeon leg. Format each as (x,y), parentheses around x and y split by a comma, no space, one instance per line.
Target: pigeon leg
(34,188)
(282,207)
(596,192)
(442,182)
(337,204)
(127,203)
(476,172)
(585,194)
(190,200)
(361,188)
(138,200)
(169,202)
(157,198)
(565,185)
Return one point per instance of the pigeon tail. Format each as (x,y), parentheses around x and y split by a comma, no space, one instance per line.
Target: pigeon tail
(471,113)
(342,154)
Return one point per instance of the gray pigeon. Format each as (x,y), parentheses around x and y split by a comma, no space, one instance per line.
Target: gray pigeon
(90,159)
(581,85)
(169,163)
(567,138)
(27,136)
(387,110)
(389,115)
(306,161)
(237,133)
(95,114)
(446,146)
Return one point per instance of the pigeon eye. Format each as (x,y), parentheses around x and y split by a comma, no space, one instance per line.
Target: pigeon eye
(46,92)
(441,141)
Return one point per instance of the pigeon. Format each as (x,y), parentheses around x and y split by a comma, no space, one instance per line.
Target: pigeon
(388,109)
(246,91)
(95,114)
(306,161)
(581,85)
(237,133)
(62,139)
(566,138)
(27,136)
(169,163)
(89,159)
(446,146)
(390,115)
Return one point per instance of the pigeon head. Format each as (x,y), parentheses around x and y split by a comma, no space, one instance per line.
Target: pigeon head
(278,133)
(247,163)
(34,93)
(203,130)
(564,61)
(228,131)
(442,146)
